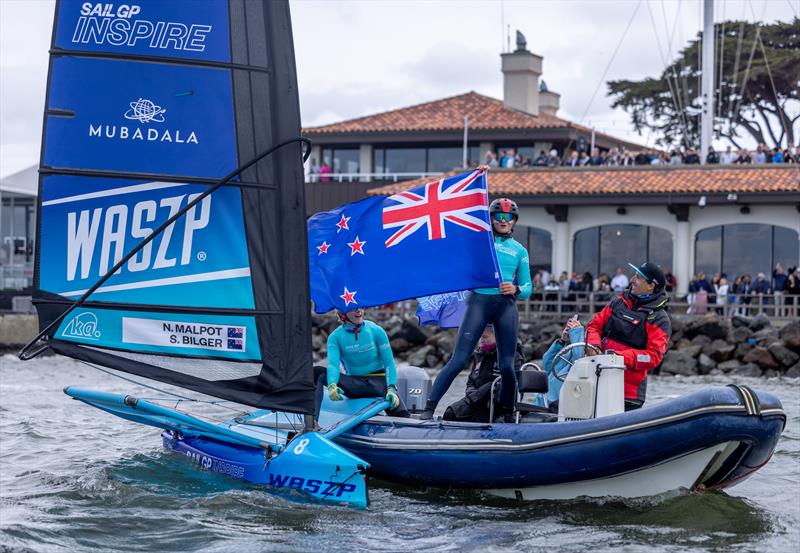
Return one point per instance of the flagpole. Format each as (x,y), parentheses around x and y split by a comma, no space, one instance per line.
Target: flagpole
(466,147)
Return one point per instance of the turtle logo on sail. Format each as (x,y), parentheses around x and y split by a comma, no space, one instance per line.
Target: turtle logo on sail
(83,325)
(145,111)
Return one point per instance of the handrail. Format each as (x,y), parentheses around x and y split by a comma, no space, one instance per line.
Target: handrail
(340,177)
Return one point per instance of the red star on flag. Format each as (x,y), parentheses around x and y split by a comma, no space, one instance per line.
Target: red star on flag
(356,247)
(342,224)
(324,247)
(348,297)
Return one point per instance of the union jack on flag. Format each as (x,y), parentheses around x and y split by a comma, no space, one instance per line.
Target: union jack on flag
(436,204)
(375,251)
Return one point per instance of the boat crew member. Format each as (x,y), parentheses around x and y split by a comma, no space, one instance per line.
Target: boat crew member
(636,326)
(497,306)
(557,368)
(362,347)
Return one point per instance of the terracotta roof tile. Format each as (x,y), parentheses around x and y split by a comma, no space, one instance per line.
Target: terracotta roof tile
(633,180)
(447,114)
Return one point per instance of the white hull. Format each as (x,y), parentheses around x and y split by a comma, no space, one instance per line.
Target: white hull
(681,472)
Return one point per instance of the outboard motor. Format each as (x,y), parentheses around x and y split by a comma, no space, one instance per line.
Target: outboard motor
(594,387)
(414,387)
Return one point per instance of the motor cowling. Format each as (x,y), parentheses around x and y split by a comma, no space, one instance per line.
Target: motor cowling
(594,387)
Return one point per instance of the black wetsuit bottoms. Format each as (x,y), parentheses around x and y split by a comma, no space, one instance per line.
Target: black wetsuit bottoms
(482,309)
(355,387)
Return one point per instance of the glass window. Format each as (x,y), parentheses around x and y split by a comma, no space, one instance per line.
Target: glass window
(378,160)
(341,160)
(786,247)
(405,160)
(708,251)
(659,247)
(586,250)
(540,249)
(445,159)
(746,249)
(620,245)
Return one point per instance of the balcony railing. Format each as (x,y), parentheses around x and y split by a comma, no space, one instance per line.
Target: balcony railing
(367,177)
(559,306)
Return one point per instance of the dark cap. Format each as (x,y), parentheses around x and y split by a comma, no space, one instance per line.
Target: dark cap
(652,273)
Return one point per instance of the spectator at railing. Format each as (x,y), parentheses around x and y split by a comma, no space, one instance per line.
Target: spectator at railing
(587,283)
(712,295)
(779,278)
(574,159)
(675,158)
(538,287)
(584,159)
(553,160)
(727,156)
(541,160)
(551,293)
(670,281)
(620,281)
(777,156)
(793,283)
(491,159)
(761,285)
(712,157)
(613,158)
(313,170)
(760,155)
(324,171)
(597,158)
(661,159)
(721,294)
(744,158)
(691,158)
(627,159)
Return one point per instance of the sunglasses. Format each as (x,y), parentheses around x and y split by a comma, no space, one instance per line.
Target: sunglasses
(503,217)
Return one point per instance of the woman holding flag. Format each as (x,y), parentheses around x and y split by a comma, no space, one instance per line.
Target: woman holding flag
(492,305)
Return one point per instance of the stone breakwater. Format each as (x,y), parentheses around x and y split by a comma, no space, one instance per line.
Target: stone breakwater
(743,346)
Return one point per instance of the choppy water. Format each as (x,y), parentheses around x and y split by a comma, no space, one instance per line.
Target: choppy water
(75,479)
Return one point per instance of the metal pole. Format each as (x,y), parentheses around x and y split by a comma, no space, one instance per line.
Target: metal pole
(707,120)
(592,148)
(466,136)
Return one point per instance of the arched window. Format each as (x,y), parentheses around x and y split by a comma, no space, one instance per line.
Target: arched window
(744,248)
(539,244)
(605,248)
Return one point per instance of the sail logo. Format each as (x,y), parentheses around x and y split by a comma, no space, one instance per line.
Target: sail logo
(111,227)
(84,325)
(106,24)
(145,111)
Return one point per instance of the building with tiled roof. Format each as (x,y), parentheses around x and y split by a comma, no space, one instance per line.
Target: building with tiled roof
(689,219)
(731,219)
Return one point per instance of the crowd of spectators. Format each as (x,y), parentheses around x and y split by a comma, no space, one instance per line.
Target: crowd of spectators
(614,157)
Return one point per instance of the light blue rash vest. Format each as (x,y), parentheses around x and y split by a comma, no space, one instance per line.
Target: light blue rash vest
(371,353)
(514,267)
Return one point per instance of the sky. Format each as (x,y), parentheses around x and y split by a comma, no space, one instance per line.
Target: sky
(356,58)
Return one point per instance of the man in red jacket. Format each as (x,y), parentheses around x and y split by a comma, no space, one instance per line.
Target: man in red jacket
(635,326)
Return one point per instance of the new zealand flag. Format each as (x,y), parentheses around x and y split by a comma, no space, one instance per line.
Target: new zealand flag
(428,240)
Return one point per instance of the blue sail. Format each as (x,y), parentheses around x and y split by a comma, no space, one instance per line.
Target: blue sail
(148,105)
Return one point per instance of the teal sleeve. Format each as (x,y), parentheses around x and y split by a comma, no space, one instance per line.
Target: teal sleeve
(385,352)
(333,359)
(524,277)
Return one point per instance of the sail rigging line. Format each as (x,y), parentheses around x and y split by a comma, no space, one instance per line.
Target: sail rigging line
(673,92)
(679,96)
(25,354)
(735,112)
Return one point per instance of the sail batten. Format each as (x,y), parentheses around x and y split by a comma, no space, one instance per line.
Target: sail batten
(135,133)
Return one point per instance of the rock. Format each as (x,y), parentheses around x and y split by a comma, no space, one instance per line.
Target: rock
(741,350)
(767,335)
(701,340)
(528,348)
(705,364)
(719,350)
(318,343)
(728,366)
(399,345)
(709,325)
(761,357)
(679,362)
(740,321)
(759,322)
(740,334)
(693,350)
(771,373)
(683,343)
(417,358)
(793,372)
(677,324)
(414,333)
(782,354)
(431,361)
(748,369)
(790,335)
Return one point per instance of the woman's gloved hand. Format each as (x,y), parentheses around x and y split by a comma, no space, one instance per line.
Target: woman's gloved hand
(392,397)
(334,392)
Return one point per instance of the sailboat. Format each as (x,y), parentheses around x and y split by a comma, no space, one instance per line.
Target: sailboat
(172,246)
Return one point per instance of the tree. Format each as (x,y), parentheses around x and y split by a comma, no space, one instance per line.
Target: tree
(756,88)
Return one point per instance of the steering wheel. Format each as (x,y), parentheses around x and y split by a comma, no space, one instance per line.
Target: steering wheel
(561,355)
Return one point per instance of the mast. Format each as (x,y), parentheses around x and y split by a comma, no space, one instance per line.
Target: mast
(707,119)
